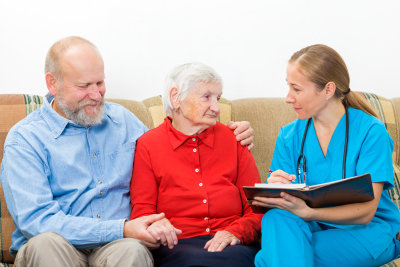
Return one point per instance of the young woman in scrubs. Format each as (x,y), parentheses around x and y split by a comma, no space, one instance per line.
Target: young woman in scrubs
(361,234)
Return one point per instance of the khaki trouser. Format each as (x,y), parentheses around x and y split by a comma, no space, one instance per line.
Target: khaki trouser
(51,249)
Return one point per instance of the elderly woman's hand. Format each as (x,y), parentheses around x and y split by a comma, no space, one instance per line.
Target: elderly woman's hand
(164,232)
(221,240)
(244,133)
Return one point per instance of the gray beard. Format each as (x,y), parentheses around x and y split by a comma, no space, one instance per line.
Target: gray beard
(78,114)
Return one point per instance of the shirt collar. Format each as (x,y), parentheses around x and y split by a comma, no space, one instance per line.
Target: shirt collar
(58,123)
(177,138)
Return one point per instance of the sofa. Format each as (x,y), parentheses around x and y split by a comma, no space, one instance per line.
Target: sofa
(266,115)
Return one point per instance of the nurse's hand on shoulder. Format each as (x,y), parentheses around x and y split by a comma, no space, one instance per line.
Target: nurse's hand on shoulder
(295,205)
(280,177)
(221,240)
(244,133)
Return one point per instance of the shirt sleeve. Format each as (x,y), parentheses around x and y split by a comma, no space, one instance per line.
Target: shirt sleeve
(144,188)
(376,156)
(248,227)
(35,210)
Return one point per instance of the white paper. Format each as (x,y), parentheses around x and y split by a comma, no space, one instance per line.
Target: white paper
(264,185)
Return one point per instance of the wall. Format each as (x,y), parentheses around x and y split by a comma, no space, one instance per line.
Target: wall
(247,42)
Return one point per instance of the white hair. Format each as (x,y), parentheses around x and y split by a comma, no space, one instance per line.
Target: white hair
(185,77)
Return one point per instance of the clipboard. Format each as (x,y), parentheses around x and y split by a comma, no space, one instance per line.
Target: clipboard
(355,189)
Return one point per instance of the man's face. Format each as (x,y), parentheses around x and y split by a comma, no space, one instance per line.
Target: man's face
(80,91)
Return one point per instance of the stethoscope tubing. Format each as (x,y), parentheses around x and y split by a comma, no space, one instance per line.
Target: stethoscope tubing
(303,157)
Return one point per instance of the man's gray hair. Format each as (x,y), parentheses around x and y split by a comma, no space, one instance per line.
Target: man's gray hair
(184,78)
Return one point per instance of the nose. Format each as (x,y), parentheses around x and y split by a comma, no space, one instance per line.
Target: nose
(289,98)
(215,107)
(95,92)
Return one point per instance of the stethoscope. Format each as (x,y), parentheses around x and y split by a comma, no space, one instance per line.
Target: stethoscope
(302,157)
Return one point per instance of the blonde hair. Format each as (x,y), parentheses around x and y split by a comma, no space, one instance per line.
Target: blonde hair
(322,64)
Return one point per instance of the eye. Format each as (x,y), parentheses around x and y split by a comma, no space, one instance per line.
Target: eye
(83,86)
(295,88)
(100,83)
(218,98)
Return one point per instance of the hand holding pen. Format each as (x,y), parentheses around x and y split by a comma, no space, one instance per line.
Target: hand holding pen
(280,177)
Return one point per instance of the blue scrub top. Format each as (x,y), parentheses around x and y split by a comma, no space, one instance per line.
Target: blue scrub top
(369,151)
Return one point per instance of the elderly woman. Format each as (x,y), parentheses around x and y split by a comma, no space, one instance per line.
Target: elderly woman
(192,169)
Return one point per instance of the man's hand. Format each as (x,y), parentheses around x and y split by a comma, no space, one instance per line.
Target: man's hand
(137,228)
(221,240)
(243,131)
(165,232)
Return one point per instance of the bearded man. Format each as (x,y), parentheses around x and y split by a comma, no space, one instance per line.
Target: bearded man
(67,167)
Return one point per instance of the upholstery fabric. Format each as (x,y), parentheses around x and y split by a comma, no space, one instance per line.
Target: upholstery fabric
(136,107)
(396,107)
(13,108)
(266,116)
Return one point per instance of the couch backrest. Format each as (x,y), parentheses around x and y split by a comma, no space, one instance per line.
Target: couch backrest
(266,115)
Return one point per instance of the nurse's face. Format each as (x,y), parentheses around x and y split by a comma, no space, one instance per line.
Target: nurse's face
(306,98)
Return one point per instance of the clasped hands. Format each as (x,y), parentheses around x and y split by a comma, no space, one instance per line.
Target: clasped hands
(155,230)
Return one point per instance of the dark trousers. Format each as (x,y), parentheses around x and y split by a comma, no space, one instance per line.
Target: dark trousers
(190,252)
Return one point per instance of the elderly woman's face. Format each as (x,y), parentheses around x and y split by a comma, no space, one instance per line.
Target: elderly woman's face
(201,107)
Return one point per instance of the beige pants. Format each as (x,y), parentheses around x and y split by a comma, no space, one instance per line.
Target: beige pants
(51,249)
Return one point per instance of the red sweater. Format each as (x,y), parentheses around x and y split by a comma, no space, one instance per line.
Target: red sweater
(196,181)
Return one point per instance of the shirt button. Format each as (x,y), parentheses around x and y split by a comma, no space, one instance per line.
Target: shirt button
(200,184)
(98,215)
(193,139)
(207,230)
(196,170)
(204,201)
(88,130)
(205,218)
(194,150)
(94,155)
(101,192)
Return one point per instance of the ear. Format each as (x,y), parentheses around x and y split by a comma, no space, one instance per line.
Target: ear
(51,83)
(174,98)
(330,89)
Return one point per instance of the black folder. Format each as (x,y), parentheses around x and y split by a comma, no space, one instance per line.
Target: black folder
(355,189)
